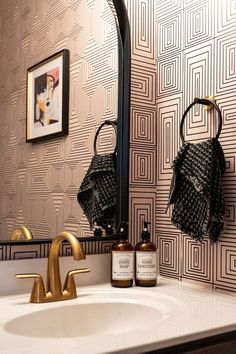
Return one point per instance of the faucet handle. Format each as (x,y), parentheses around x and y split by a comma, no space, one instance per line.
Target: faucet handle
(38,290)
(69,285)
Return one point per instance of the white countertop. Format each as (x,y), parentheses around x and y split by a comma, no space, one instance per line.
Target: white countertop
(195,313)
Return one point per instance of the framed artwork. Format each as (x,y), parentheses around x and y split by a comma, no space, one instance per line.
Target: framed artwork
(48,98)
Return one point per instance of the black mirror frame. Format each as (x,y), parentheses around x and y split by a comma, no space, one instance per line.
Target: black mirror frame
(123,127)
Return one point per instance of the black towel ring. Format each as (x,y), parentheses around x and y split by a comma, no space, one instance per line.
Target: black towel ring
(207,102)
(106,122)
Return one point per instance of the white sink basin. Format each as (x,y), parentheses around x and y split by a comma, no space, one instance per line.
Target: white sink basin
(100,320)
(106,320)
(92,314)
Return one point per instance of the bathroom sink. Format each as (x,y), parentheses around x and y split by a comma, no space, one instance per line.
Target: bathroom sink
(93,313)
(104,320)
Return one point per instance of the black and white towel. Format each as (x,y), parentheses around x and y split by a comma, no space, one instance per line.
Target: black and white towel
(97,193)
(196,190)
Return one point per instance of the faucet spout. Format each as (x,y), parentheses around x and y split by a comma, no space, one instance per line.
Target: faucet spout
(53,275)
(21,231)
(54,289)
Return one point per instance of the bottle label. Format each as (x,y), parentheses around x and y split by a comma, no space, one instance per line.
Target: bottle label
(146,265)
(122,265)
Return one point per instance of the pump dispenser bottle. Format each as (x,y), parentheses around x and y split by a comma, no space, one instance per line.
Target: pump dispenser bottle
(145,260)
(122,261)
(109,229)
(97,231)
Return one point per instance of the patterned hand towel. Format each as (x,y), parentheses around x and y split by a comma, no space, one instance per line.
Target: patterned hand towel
(97,193)
(196,190)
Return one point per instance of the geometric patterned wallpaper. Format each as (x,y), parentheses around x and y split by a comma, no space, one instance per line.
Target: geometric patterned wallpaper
(143,138)
(196,57)
(181,49)
(39,182)
(41,250)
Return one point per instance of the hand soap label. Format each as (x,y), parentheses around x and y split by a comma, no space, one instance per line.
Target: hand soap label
(122,265)
(146,265)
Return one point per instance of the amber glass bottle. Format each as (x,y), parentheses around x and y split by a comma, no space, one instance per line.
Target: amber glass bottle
(122,254)
(145,260)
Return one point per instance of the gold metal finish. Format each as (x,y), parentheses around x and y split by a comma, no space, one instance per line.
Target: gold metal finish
(54,291)
(210,106)
(19,232)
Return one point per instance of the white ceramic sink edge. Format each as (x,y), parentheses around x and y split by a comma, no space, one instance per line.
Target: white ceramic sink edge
(94,313)
(175,314)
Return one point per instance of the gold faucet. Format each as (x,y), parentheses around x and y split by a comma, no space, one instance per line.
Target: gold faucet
(54,290)
(21,231)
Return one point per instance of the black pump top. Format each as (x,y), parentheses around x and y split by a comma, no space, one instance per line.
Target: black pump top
(97,231)
(123,230)
(145,233)
(109,230)
(109,227)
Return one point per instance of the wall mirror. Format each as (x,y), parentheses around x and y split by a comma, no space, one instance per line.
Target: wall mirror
(40,181)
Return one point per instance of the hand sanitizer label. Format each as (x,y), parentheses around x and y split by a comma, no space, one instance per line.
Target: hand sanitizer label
(146,265)
(122,265)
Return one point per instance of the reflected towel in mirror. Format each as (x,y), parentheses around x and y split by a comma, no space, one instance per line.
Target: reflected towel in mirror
(97,193)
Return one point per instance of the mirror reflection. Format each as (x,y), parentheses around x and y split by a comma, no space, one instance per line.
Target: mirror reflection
(40,181)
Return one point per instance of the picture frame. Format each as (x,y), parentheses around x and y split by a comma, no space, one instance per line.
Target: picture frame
(48,98)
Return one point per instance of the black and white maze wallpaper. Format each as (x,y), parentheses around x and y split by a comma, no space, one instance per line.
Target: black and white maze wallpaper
(41,250)
(196,57)
(39,182)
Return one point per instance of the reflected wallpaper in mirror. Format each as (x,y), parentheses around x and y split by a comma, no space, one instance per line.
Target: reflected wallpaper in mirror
(39,182)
